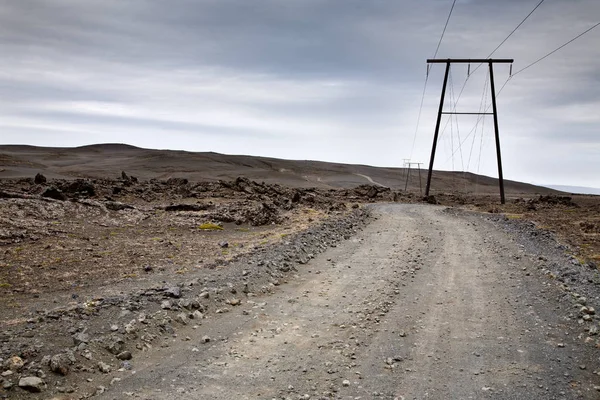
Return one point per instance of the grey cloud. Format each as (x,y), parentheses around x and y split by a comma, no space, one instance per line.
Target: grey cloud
(291,69)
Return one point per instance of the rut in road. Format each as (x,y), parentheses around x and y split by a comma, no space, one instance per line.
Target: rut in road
(422,304)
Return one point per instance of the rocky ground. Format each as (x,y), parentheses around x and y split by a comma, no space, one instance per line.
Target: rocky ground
(73,252)
(174,289)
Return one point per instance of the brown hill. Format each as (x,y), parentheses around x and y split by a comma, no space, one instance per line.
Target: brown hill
(108,160)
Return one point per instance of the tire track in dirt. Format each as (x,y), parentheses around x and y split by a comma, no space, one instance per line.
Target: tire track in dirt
(421,304)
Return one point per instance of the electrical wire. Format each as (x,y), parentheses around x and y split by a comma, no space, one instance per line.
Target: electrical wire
(444,31)
(480,117)
(498,47)
(557,49)
(514,30)
(427,78)
(412,149)
(481,108)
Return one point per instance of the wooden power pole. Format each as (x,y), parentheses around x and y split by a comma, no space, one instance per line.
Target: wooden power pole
(490,63)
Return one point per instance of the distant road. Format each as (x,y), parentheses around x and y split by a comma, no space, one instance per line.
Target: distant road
(370,180)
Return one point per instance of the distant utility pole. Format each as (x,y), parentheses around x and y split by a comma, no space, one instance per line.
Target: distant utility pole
(409,164)
(405,162)
(491,63)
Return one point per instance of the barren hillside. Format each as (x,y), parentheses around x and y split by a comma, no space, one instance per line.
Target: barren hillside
(108,160)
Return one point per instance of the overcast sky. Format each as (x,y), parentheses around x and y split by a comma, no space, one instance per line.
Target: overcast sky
(305,79)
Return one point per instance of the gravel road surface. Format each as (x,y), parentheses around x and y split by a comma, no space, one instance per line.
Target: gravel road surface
(421,304)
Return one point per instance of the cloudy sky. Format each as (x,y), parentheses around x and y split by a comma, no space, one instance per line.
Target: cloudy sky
(333,80)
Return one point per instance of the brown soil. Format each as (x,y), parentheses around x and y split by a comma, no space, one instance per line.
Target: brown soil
(104,233)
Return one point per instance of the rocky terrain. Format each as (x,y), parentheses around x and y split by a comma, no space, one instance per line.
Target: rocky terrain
(111,286)
(76,253)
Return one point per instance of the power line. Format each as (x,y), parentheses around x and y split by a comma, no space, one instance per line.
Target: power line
(444,31)
(481,117)
(412,149)
(514,30)
(500,45)
(521,70)
(427,78)
(557,49)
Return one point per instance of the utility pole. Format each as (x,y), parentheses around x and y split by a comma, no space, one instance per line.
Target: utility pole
(410,164)
(448,62)
(405,162)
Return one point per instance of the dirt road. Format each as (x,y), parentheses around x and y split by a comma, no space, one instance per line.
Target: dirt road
(422,304)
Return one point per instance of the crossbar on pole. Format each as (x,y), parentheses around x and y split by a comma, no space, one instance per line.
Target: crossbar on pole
(470,60)
(467,113)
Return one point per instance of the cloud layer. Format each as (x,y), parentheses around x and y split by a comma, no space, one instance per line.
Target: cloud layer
(303,79)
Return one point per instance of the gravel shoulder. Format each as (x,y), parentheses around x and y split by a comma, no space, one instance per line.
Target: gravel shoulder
(424,303)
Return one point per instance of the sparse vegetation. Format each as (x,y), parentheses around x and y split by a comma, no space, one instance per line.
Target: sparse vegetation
(209,226)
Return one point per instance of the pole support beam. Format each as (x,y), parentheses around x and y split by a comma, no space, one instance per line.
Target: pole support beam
(437,129)
(497,134)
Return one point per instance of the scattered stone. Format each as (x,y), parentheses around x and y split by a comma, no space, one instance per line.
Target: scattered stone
(31,384)
(182,318)
(205,339)
(593,330)
(103,367)
(197,315)
(185,303)
(59,364)
(165,305)
(234,302)
(131,327)
(80,337)
(124,355)
(14,363)
(54,193)
(223,244)
(173,291)
(114,380)
(346,383)
(39,179)
(116,345)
